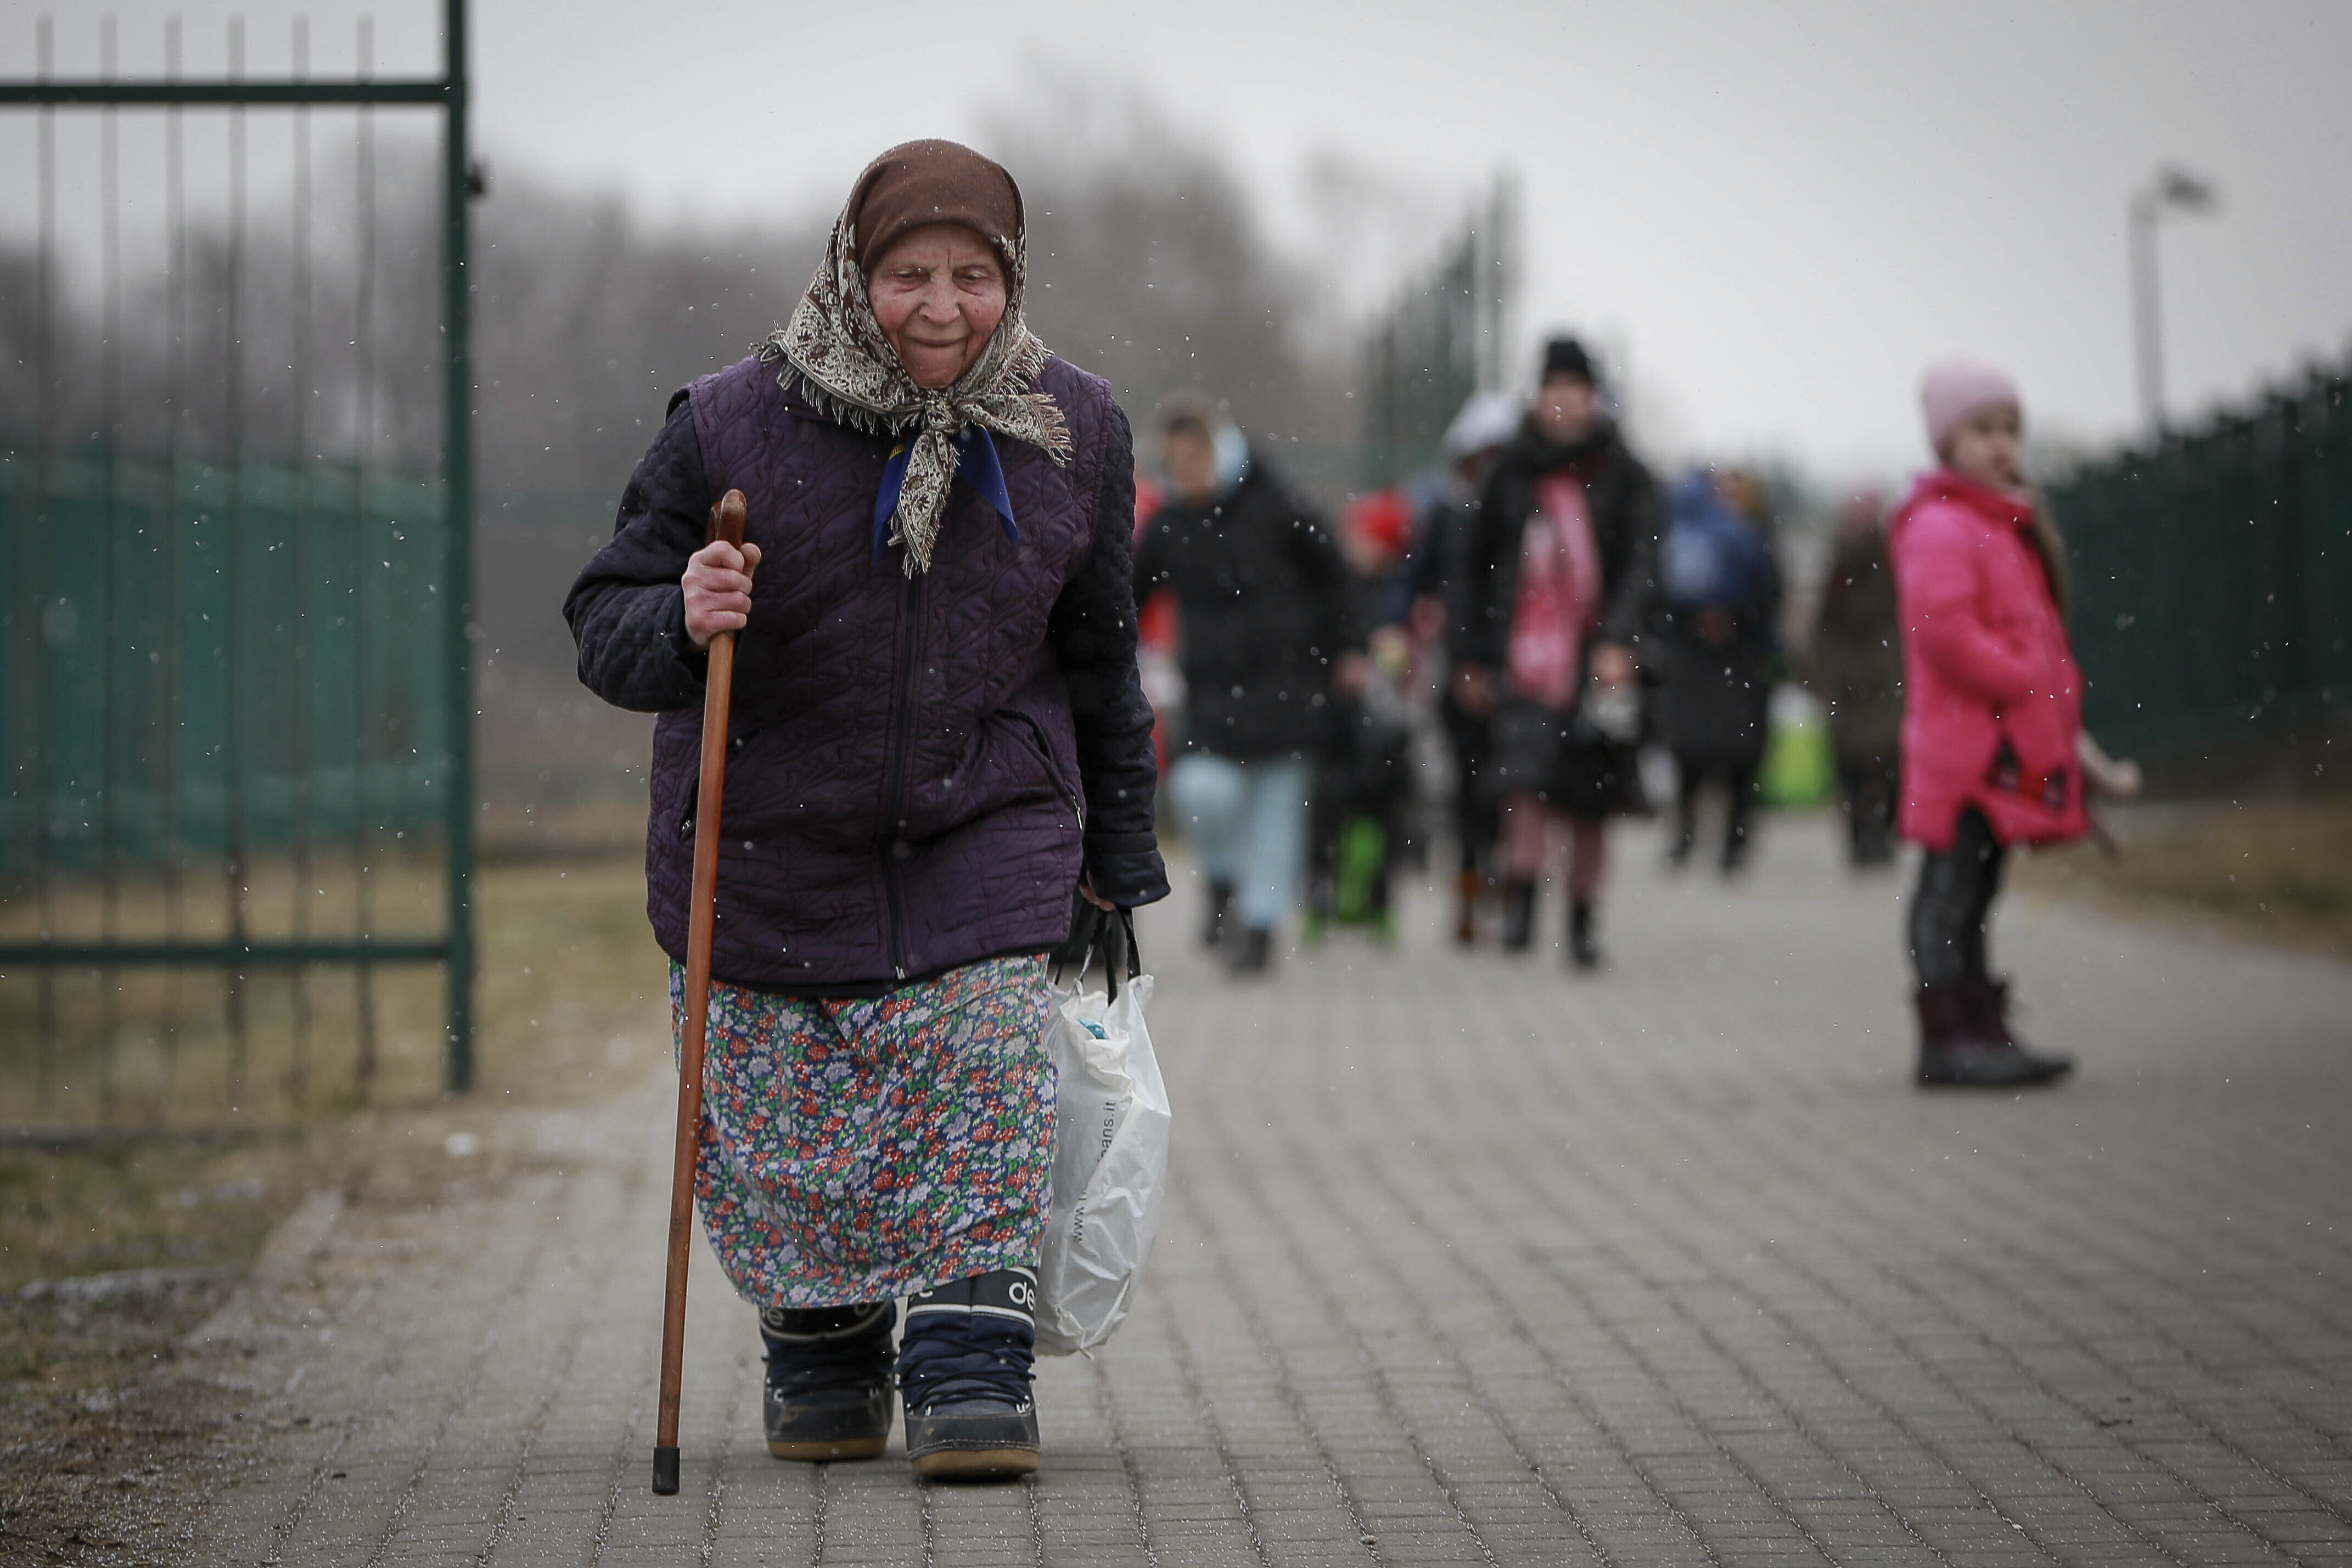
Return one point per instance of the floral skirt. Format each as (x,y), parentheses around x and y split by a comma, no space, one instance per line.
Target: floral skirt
(867,1149)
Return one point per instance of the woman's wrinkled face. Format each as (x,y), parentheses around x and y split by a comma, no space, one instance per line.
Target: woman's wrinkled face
(1985,448)
(938,294)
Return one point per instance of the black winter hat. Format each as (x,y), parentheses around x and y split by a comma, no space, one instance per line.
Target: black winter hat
(1566,357)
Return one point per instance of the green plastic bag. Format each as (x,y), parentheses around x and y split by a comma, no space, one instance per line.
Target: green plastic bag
(1799,768)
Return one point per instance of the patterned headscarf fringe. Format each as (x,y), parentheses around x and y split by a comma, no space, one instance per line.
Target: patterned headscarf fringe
(835,348)
(826,406)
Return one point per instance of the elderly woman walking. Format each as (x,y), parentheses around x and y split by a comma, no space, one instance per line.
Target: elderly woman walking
(938,738)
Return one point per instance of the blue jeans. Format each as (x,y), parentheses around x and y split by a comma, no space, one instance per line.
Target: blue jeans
(1248,821)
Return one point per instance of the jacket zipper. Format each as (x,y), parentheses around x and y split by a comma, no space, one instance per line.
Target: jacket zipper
(910,604)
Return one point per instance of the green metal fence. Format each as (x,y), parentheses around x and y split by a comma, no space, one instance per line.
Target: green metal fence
(2212,574)
(229,661)
(235,680)
(1442,340)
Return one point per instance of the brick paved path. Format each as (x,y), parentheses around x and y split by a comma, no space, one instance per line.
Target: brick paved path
(1468,1260)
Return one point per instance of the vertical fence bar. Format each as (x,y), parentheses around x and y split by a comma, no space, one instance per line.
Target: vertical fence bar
(297,975)
(2329,537)
(364,1065)
(233,564)
(175,220)
(110,760)
(45,1004)
(458,565)
(2305,422)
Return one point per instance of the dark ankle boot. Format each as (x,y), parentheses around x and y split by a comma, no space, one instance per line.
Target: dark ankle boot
(964,1370)
(1987,1004)
(1519,916)
(1253,954)
(1221,903)
(1735,846)
(828,1393)
(1958,1045)
(1583,939)
(1465,908)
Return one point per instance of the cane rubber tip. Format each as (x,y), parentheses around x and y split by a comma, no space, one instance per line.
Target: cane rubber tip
(665,1473)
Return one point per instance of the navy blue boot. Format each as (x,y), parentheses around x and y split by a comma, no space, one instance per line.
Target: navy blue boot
(828,1393)
(963,1367)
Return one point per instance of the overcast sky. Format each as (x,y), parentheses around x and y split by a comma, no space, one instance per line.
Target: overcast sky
(1777,213)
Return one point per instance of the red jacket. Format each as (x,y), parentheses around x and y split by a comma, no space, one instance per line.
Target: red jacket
(1994,698)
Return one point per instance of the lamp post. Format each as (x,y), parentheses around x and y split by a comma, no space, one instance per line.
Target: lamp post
(2173,188)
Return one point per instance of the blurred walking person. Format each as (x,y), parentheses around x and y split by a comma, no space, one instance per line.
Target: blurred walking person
(1268,636)
(938,743)
(1854,659)
(1557,579)
(1357,827)
(1992,722)
(1486,425)
(1722,591)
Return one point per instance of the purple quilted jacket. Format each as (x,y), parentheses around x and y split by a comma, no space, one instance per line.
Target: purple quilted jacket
(918,769)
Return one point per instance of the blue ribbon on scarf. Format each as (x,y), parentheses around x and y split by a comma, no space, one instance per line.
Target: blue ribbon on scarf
(976,465)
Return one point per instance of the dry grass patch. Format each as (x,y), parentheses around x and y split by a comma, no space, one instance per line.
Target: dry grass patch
(2279,869)
(114,1246)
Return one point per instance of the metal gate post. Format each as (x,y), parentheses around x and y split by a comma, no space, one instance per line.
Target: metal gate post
(457,566)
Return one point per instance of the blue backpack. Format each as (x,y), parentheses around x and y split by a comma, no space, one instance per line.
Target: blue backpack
(1709,554)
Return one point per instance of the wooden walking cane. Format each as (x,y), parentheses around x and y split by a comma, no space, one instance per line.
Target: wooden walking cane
(701,910)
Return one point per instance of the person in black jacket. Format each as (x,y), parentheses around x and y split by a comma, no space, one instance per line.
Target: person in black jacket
(1557,577)
(1855,663)
(1268,635)
(1722,648)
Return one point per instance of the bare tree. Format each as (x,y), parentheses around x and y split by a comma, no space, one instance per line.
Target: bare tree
(1148,266)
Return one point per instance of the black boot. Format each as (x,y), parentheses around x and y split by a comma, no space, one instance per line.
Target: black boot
(1253,953)
(1987,1001)
(1735,834)
(964,1369)
(1857,831)
(1221,903)
(828,1395)
(1519,916)
(1960,1044)
(1583,944)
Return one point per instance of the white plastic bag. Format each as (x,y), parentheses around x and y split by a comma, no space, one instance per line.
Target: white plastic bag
(1110,1166)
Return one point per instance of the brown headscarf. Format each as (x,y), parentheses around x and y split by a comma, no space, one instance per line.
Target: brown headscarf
(847,368)
(931,182)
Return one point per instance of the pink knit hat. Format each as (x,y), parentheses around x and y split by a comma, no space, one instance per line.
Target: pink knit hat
(1954,388)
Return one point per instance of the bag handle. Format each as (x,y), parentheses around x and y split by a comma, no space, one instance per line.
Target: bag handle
(1097,932)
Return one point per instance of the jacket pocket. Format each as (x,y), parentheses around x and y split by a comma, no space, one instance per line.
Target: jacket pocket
(2036,760)
(1063,788)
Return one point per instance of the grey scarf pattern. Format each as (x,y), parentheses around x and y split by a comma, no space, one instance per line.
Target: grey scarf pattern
(850,372)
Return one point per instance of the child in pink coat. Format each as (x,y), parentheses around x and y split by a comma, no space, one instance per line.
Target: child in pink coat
(1992,716)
